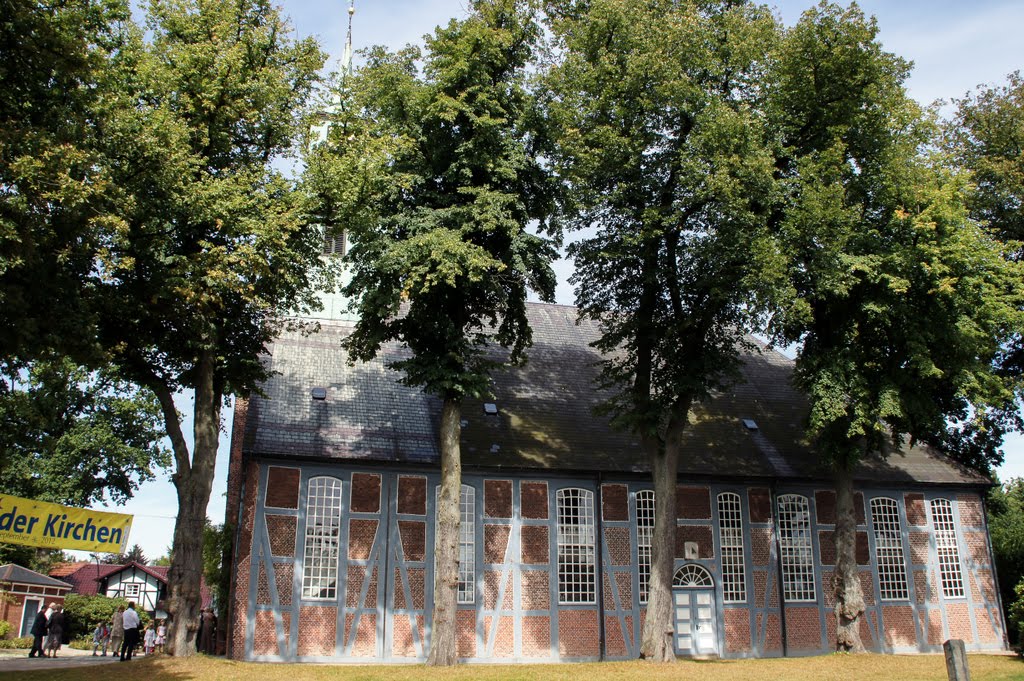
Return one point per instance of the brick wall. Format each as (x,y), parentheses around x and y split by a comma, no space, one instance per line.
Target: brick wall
(578,633)
(737,630)
(898,626)
(803,628)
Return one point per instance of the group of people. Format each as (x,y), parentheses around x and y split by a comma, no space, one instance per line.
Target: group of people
(122,635)
(48,624)
(119,633)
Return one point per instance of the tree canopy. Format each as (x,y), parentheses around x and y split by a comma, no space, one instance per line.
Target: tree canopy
(72,436)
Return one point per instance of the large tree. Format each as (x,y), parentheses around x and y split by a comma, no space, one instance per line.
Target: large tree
(663,150)
(436,181)
(903,302)
(74,436)
(209,249)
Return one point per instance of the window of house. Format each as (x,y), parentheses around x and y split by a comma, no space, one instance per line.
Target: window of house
(131,590)
(467,543)
(644,532)
(576,556)
(796,548)
(892,569)
(947,548)
(323,529)
(730,537)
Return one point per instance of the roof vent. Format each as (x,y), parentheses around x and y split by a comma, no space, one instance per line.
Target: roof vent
(749,424)
(490,408)
(319,394)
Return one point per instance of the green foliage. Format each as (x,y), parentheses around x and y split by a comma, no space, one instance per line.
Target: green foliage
(902,302)
(81,643)
(33,558)
(217,544)
(1005,507)
(73,436)
(23,643)
(442,182)
(83,613)
(1016,616)
(984,137)
(5,628)
(670,169)
(54,185)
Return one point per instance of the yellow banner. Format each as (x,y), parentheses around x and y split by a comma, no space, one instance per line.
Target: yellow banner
(52,526)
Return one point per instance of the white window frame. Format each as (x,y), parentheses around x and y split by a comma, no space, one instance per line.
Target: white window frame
(644,533)
(797,549)
(322,541)
(132,590)
(890,562)
(947,549)
(730,539)
(466,591)
(577,556)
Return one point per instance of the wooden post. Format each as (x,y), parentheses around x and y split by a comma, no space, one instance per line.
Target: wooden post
(956,660)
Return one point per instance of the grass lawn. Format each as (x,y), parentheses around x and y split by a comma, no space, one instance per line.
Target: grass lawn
(838,667)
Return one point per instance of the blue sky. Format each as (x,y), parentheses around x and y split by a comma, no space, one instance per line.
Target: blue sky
(955,46)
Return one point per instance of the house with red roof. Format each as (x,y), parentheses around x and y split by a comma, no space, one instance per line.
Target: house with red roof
(23,593)
(146,585)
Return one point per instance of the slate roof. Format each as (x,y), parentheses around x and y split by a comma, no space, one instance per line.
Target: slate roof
(545,417)
(21,575)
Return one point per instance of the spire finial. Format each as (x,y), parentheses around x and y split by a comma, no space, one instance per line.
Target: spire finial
(346,59)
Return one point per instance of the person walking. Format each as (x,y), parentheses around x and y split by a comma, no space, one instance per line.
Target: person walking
(131,633)
(117,630)
(55,630)
(100,637)
(38,632)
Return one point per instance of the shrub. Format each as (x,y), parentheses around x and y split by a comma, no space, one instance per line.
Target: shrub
(5,628)
(10,643)
(81,643)
(83,613)
(1016,612)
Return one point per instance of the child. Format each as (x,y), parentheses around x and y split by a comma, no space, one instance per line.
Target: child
(161,636)
(150,642)
(100,637)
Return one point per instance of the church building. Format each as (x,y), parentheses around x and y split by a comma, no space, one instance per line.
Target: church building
(332,488)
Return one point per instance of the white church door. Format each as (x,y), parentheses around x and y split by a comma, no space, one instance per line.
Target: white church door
(696,619)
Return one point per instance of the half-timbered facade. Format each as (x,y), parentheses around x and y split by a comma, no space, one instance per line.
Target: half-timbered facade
(333,479)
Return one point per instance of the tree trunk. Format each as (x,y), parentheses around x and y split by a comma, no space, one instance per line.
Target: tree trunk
(656,638)
(443,650)
(193,481)
(848,592)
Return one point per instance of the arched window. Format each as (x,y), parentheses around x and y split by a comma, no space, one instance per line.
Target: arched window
(644,532)
(323,529)
(947,548)
(576,555)
(892,569)
(691,576)
(730,536)
(796,548)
